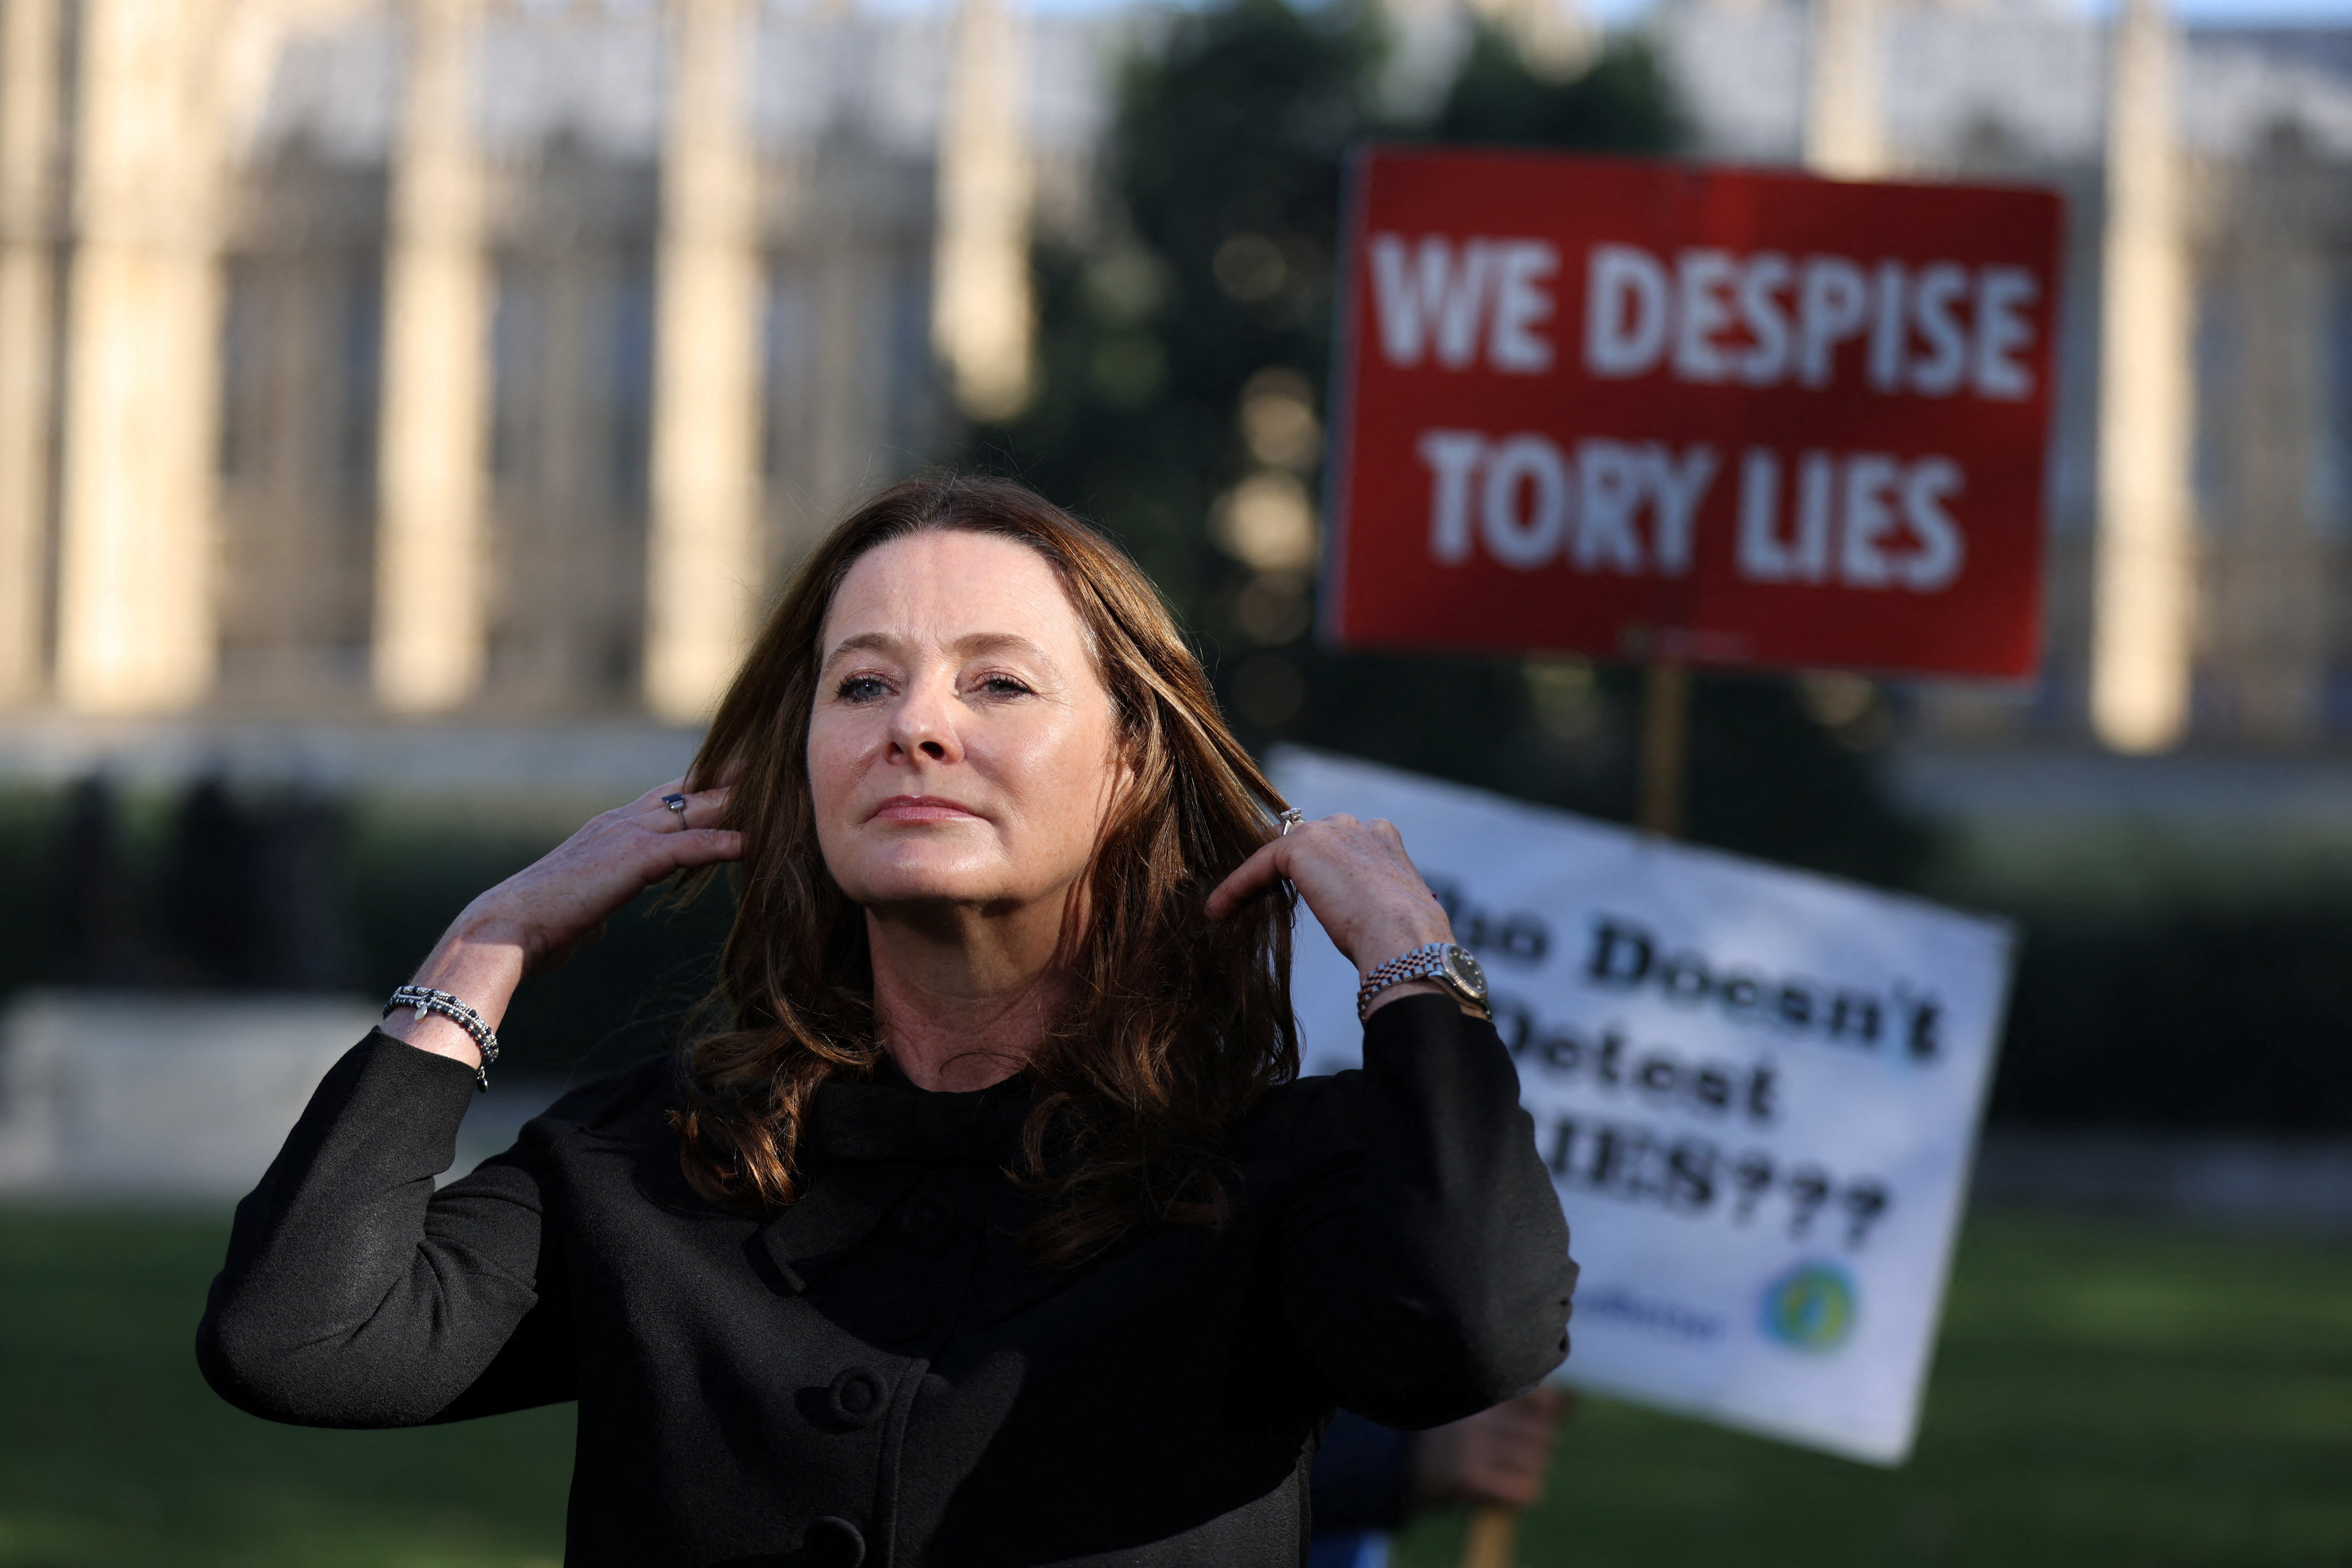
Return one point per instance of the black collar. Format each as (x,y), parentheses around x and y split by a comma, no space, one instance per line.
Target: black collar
(890,1120)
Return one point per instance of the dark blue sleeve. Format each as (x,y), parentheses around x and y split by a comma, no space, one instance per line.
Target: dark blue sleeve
(1361,1473)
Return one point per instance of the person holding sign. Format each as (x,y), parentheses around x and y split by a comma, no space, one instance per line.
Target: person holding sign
(991,1223)
(1370,1479)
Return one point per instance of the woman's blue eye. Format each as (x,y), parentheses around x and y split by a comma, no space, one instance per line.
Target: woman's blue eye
(1003,686)
(862,689)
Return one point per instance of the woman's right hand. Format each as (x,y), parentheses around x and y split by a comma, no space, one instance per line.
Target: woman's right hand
(541,915)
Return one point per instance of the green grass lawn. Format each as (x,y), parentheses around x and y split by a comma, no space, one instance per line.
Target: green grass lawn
(114,1452)
(2106,1395)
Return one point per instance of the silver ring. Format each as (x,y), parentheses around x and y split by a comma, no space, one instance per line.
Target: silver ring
(676,802)
(1290,819)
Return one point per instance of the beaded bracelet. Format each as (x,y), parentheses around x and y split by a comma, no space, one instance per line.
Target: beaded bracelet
(426,1000)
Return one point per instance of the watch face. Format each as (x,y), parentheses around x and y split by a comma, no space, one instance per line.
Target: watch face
(1465,973)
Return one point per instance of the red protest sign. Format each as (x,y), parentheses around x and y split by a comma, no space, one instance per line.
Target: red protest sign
(1630,408)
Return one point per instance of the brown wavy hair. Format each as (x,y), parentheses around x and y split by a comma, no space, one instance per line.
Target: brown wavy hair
(1175,1024)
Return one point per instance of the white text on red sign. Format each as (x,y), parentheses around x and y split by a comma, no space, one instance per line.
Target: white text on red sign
(1862,519)
(1709,316)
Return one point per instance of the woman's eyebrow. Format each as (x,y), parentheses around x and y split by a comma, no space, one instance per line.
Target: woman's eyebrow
(875,642)
(981,643)
(975,645)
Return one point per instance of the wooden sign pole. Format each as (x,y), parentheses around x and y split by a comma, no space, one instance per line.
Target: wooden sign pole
(1494,1533)
(1494,1530)
(1665,747)
(1661,791)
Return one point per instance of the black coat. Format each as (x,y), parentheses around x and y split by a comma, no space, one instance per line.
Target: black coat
(878,1375)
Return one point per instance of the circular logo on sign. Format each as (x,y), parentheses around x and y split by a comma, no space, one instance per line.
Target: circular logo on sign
(1811,1307)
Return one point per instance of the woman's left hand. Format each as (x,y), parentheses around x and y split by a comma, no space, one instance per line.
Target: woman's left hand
(1359,881)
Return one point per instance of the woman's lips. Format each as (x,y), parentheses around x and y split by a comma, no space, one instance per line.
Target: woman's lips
(922,808)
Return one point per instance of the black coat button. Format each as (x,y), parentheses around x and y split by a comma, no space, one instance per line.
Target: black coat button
(834,1543)
(927,1224)
(856,1398)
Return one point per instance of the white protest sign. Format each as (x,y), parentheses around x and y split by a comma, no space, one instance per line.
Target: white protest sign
(1756,1089)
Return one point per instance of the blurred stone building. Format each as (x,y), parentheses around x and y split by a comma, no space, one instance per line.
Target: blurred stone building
(470,356)
(492,357)
(2249,134)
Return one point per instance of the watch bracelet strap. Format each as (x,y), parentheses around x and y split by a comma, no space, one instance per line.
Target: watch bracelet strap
(1423,963)
(423,999)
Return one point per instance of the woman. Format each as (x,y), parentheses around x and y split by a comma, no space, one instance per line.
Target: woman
(996,1226)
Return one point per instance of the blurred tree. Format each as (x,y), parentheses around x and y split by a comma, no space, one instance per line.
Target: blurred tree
(1622,104)
(247,892)
(1184,350)
(2183,1015)
(94,914)
(1217,263)
(210,904)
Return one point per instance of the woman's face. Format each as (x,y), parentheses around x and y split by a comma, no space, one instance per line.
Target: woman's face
(960,748)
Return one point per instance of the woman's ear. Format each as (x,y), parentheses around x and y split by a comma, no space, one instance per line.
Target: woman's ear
(1125,771)
(1122,766)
